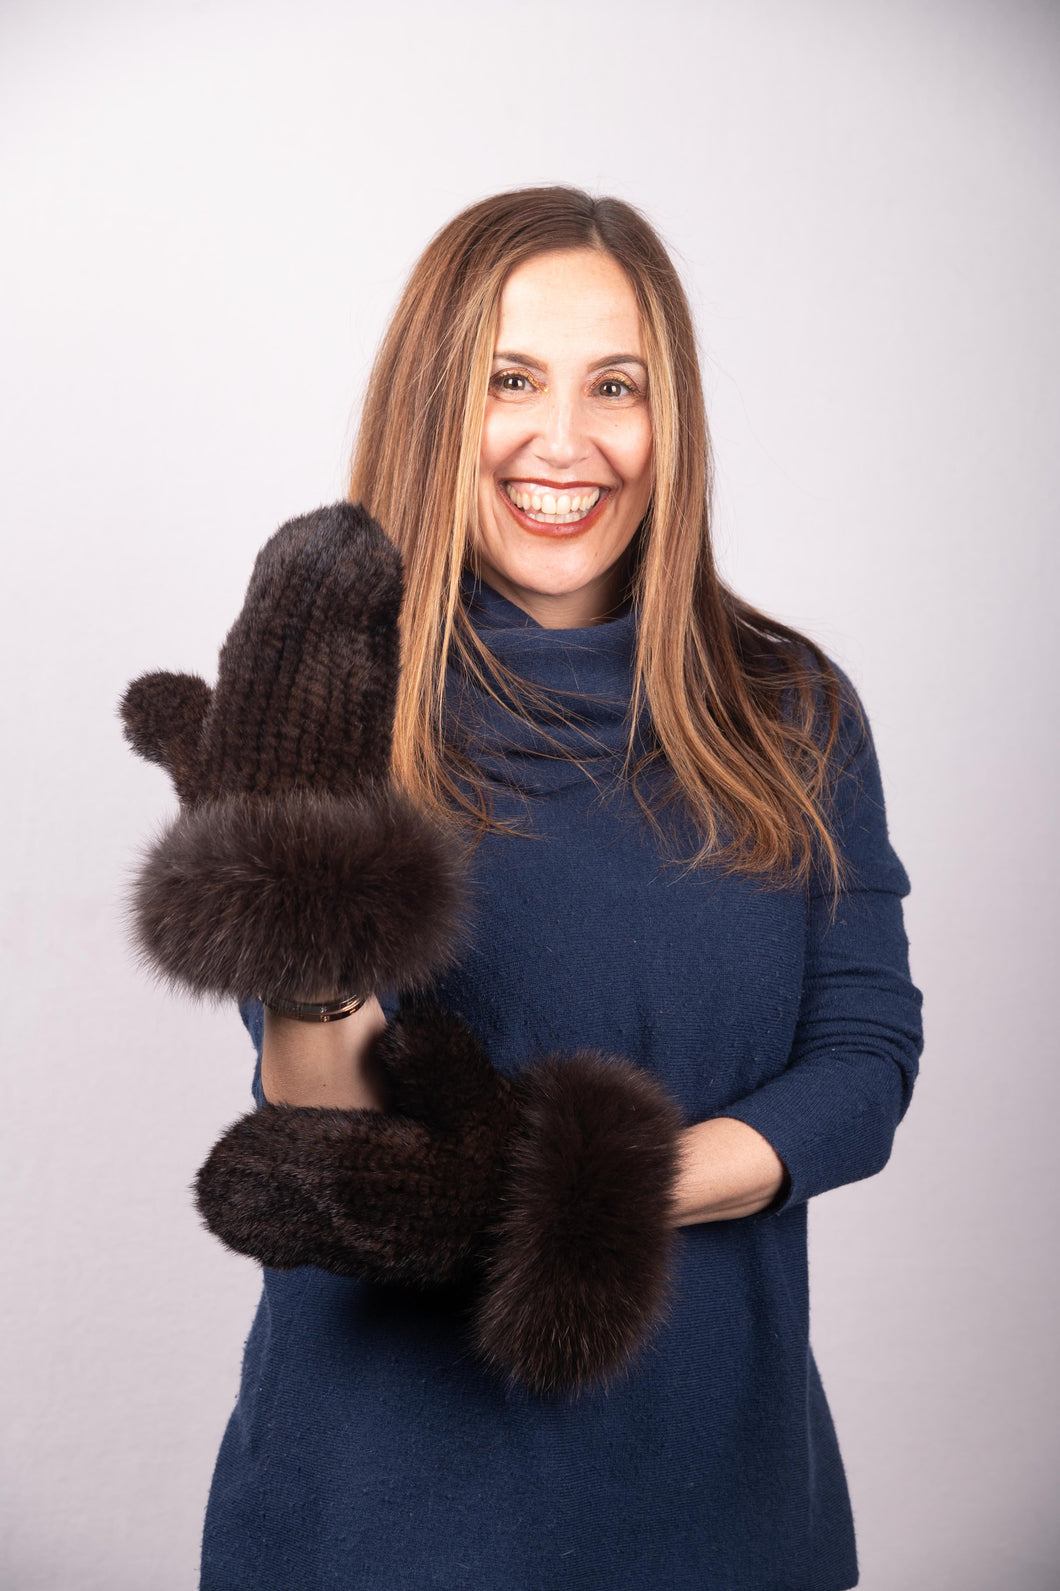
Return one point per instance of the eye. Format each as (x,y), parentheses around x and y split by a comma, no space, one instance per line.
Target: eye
(616,387)
(511,381)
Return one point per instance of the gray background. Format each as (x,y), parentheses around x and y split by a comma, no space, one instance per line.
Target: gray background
(209,211)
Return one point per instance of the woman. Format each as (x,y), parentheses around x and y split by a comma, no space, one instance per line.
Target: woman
(535,1308)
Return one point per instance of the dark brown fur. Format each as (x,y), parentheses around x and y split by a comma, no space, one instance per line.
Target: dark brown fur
(163,717)
(306,679)
(580,1272)
(302,896)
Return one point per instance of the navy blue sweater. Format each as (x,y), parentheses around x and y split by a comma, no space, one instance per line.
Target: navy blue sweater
(367,1447)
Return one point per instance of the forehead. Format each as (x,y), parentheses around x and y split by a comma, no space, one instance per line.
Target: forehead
(574,297)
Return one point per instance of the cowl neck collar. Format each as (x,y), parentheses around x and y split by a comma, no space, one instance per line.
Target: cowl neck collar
(587,675)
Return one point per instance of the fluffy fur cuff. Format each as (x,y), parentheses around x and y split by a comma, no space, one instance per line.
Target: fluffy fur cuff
(580,1272)
(299,895)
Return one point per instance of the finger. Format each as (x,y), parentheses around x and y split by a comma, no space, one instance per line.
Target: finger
(162,716)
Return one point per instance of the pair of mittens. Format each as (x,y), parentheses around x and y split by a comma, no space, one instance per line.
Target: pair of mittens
(550,1190)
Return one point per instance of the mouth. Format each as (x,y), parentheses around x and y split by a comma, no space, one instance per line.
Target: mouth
(555,510)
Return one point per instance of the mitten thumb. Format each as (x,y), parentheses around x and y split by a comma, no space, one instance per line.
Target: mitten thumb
(162,715)
(435,1071)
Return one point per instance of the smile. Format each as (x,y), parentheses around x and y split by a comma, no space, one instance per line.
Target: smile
(549,505)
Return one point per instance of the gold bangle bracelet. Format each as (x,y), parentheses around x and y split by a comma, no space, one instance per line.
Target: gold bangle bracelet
(330,1011)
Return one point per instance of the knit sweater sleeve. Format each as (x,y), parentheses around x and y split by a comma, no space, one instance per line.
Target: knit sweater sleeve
(831,1114)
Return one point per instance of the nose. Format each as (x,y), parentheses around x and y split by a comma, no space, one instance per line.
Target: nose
(561,440)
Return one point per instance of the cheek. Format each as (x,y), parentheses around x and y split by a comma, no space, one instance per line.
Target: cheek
(632,452)
(500,438)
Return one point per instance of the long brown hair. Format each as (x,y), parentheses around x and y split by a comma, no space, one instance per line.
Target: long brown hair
(745,711)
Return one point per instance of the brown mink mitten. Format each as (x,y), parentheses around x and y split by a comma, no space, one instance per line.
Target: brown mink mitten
(295,868)
(550,1191)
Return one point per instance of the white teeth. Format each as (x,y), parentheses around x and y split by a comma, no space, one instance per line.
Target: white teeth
(552,508)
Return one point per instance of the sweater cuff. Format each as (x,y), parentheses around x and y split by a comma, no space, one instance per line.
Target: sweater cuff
(826,1132)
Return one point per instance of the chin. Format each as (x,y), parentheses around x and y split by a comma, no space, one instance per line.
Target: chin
(564,581)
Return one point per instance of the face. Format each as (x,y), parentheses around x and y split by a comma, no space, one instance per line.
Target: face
(565,462)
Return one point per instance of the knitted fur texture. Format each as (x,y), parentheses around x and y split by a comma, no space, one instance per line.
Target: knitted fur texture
(297,896)
(306,678)
(550,1193)
(163,715)
(581,1269)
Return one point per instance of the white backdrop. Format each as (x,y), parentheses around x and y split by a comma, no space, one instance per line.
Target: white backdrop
(209,210)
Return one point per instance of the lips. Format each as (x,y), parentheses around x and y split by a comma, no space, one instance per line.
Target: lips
(549,507)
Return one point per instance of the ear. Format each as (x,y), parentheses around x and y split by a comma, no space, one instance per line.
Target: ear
(162,715)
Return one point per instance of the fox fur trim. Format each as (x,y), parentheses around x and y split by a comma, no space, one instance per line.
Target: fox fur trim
(299,895)
(581,1272)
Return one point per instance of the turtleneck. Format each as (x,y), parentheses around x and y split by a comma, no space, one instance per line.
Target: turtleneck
(588,673)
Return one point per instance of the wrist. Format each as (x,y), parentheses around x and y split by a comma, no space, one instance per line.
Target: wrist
(727,1170)
(324,1063)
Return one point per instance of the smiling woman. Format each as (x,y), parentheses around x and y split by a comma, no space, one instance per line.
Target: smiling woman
(535,1311)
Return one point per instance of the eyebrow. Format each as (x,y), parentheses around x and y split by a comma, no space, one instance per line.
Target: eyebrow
(598,364)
